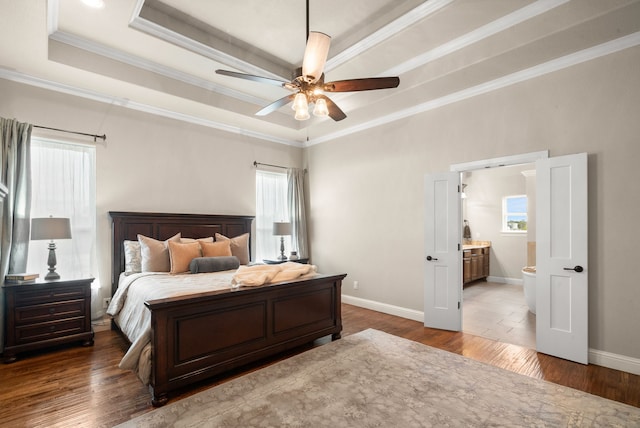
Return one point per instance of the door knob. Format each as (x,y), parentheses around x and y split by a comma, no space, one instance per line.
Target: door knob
(431,258)
(576,268)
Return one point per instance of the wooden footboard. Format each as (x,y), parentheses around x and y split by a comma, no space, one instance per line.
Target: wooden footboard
(199,336)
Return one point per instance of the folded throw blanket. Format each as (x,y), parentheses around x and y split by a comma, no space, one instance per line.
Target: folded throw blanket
(263,274)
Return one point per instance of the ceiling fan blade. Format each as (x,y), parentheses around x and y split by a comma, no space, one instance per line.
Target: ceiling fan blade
(260,79)
(334,111)
(276,105)
(366,84)
(315,56)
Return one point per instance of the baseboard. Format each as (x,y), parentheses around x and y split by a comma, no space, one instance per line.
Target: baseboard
(597,357)
(502,280)
(384,308)
(614,361)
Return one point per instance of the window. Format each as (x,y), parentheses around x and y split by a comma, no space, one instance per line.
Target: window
(514,213)
(63,185)
(271,206)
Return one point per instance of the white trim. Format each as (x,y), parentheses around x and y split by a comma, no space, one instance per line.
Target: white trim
(528,12)
(154,67)
(384,308)
(597,357)
(614,361)
(554,65)
(501,161)
(386,32)
(124,102)
(504,280)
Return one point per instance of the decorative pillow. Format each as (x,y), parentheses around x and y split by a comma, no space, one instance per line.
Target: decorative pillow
(181,255)
(185,240)
(155,254)
(132,257)
(239,246)
(216,249)
(213,264)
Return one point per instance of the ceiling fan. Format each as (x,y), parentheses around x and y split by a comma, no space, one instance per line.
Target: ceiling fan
(308,85)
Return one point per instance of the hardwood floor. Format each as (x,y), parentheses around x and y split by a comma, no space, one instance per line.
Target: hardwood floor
(76,386)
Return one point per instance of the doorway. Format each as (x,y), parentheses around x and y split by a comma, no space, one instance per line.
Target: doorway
(494,306)
(562,274)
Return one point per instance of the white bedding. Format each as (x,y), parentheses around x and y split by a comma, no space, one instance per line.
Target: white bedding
(134,319)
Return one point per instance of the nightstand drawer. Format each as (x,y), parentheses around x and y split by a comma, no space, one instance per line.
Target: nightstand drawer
(31,295)
(49,330)
(49,311)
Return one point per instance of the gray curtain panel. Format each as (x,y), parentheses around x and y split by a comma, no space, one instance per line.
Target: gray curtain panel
(297,214)
(15,173)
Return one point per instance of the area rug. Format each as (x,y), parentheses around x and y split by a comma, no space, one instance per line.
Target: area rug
(374,379)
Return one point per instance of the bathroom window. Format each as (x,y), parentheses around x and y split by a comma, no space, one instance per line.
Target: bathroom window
(514,214)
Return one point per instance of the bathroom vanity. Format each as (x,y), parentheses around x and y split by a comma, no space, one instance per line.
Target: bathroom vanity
(475,260)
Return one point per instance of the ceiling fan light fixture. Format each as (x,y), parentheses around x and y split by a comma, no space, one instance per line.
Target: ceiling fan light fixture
(300,101)
(315,55)
(321,109)
(302,113)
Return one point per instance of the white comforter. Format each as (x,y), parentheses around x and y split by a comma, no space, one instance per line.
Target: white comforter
(134,319)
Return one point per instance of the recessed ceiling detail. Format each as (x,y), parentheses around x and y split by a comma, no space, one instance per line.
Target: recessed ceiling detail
(161,56)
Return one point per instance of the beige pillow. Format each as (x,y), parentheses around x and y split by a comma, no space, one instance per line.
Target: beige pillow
(155,254)
(239,246)
(216,249)
(185,240)
(181,254)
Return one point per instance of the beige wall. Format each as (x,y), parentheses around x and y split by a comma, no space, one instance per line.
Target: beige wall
(149,163)
(367,189)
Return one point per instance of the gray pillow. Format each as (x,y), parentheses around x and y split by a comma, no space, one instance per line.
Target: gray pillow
(213,264)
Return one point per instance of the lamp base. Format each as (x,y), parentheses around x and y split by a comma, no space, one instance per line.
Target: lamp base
(51,261)
(52,276)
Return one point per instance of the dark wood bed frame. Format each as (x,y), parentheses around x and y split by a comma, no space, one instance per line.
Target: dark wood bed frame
(199,336)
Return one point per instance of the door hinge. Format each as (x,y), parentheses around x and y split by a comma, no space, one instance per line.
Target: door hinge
(458,247)
(458,305)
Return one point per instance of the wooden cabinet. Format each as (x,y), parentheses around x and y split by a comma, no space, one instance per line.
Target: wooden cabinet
(475,263)
(46,313)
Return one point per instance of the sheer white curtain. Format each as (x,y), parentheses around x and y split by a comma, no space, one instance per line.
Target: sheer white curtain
(64,185)
(271,206)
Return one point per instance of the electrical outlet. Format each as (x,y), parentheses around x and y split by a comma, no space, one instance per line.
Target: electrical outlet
(355,285)
(105,302)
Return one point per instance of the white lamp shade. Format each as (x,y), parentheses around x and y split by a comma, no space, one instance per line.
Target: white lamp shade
(315,55)
(281,229)
(50,228)
(321,108)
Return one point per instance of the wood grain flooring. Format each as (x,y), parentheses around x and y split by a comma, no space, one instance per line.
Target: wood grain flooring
(76,386)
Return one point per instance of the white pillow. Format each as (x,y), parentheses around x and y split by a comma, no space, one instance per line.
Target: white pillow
(132,257)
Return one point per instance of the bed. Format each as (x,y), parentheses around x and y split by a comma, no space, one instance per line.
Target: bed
(187,343)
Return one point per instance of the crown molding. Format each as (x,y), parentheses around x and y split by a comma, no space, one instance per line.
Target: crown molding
(554,65)
(146,108)
(386,32)
(479,34)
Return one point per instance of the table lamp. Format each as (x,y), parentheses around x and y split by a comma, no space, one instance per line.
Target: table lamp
(281,229)
(51,228)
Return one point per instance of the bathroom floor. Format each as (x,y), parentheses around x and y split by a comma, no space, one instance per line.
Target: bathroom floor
(498,311)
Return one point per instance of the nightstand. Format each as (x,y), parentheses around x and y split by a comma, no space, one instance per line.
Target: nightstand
(46,313)
(277,262)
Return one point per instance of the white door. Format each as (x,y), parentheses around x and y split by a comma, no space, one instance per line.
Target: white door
(561,257)
(443,262)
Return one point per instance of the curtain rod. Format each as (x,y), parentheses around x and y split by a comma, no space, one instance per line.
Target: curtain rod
(103,137)
(256,163)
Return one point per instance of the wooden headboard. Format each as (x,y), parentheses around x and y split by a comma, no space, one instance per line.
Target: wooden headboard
(161,226)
